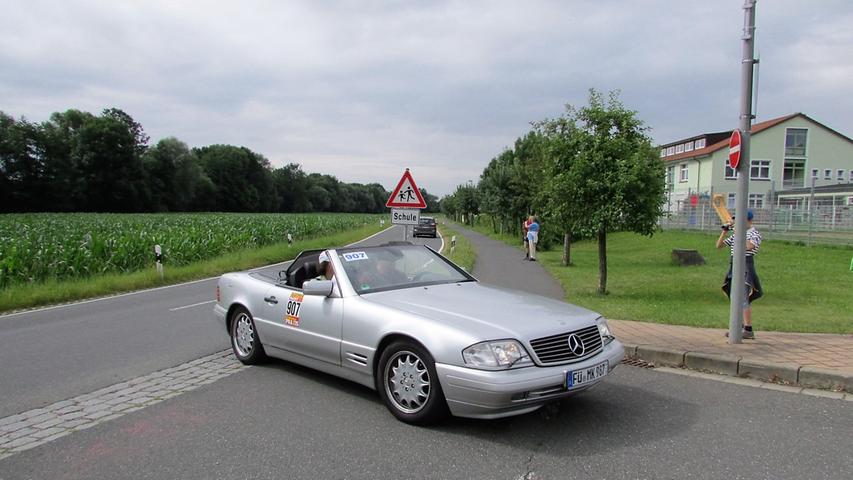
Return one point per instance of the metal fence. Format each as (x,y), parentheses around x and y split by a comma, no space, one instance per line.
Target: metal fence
(820,224)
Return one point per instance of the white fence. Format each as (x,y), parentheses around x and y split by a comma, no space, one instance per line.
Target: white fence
(824,224)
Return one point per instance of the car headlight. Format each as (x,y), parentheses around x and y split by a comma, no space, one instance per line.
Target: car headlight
(606,335)
(496,354)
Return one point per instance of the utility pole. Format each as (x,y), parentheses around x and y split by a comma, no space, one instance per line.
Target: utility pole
(747,66)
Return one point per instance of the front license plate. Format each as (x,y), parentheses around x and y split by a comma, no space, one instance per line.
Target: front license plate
(579,378)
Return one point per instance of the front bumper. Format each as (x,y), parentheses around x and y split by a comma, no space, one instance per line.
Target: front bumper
(423,231)
(493,394)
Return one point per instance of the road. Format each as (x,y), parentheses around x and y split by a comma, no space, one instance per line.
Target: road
(283,421)
(280,420)
(52,354)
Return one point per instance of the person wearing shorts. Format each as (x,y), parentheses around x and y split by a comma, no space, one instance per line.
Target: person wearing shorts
(532,237)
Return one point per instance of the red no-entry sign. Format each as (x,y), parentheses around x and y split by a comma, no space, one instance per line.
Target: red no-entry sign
(734,149)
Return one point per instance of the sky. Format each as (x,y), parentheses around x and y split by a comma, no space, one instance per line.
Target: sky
(362,90)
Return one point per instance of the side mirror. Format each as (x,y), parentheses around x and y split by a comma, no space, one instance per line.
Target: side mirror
(321,288)
(282,276)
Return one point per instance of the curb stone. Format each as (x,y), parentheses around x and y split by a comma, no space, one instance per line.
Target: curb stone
(786,372)
(661,356)
(825,378)
(725,364)
(792,374)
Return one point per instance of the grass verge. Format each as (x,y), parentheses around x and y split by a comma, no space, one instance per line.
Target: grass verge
(807,289)
(52,292)
(463,254)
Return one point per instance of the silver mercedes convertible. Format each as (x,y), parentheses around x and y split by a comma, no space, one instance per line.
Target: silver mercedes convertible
(404,320)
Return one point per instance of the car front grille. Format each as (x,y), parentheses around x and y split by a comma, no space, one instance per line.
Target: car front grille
(557,349)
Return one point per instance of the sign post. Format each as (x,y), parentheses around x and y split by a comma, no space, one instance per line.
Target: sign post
(405,203)
(740,151)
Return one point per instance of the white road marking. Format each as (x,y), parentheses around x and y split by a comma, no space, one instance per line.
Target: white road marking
(191,306)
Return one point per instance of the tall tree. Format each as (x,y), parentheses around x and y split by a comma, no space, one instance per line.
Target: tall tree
(22,166)
(111,168)
(243,178)
(605,173)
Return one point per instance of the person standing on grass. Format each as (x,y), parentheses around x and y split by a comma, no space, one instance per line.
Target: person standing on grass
(532,237)
(752,285)
(525,225)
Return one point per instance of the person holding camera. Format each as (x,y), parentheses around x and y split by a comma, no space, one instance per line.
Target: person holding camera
(752,284)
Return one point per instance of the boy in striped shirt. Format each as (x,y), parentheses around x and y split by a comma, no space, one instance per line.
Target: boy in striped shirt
(753,285)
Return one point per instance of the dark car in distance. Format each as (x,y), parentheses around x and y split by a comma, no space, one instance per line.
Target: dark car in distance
(425,227)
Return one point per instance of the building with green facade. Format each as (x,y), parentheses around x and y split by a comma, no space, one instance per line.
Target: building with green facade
(789,155)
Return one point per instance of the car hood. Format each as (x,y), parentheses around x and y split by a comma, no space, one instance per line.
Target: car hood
(488,312)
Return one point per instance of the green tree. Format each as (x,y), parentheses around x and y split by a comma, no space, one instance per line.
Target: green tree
(242,178)
(22,169)
(112,171)
(603,173)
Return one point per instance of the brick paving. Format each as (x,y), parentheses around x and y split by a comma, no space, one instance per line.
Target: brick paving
(38,426)
(828,351)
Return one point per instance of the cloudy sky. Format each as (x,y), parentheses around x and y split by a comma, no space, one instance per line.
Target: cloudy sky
(362,90)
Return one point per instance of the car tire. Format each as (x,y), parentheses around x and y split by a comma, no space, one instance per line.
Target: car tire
(245,342)
(408,384)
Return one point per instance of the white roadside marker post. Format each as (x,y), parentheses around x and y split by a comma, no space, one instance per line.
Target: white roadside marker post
(158,259)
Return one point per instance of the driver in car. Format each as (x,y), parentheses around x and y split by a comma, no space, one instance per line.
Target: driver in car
(325,269)
(389,273)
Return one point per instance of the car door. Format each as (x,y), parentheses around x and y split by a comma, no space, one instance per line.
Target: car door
(308,325)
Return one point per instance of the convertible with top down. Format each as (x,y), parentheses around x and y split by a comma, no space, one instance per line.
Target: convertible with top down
(431,339)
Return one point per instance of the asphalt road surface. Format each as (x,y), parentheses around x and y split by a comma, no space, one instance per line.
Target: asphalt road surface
(52,354)
(280,420)
(283,421)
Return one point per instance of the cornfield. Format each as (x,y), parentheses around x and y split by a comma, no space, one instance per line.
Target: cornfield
(37,247)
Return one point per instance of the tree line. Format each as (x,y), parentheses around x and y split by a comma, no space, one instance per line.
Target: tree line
(80,162)
(591,171)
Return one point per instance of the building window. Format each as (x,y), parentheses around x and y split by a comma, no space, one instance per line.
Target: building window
(662,152)
(731,174)
(795,141)
(679,148)
(688,147)
(670,176)
(731,201)
(815,173)
(840,176)
(700,143)
(682,173)
(794,174)
(756,200)
(760,170)
(851,176)
(670,151)
(827,174)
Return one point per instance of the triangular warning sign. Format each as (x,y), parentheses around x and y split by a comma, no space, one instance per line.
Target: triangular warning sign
(406,195)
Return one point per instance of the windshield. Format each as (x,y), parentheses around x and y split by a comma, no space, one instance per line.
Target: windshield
(426,220)
(375,269)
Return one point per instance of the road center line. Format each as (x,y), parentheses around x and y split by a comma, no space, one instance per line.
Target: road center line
(191,306)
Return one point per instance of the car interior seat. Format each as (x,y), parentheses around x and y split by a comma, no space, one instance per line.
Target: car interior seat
(307,271)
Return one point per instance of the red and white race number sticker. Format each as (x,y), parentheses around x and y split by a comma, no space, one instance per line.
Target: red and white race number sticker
(294,303)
